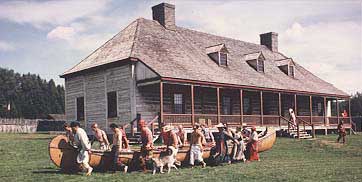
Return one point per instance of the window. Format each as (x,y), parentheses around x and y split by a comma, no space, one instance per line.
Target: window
(80,108)
(291,70)
(112,104)
(223,59)
(178,104)
(260,66)
(226,105)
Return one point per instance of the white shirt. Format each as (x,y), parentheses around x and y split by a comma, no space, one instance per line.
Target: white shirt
(81,139)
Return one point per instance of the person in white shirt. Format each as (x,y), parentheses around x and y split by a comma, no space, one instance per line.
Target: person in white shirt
(292,118)
(81,141)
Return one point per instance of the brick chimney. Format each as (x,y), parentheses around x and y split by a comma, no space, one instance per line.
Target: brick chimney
(270,40)
(164,13)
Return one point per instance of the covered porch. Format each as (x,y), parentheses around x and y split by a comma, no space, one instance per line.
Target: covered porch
(190,103)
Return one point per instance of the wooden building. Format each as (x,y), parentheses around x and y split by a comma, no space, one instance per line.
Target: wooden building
(154,67)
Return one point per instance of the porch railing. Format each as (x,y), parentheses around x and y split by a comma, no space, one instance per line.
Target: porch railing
(303,123)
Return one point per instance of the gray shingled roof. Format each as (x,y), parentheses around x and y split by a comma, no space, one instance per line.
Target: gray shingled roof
(182,54)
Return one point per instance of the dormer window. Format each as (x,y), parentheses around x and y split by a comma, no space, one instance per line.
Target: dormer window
(286,66)
(218,53)
(291,70)
(256,61)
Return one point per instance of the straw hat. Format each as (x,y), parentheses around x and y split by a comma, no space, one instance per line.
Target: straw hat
(220,125)
(167,128)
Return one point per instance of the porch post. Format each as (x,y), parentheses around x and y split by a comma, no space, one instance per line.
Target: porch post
(325,110)
(349,112)
(310,109)
(280,105)
(295,104)
(241,108)
(261,108)
(161,101)
(337,111)
(192,106)
(218,104)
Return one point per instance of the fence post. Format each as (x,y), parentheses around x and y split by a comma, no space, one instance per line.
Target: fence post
(313,131)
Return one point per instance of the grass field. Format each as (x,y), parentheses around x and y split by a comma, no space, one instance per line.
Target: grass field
(24,157)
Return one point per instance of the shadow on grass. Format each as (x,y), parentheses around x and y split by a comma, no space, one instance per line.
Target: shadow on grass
(53,171)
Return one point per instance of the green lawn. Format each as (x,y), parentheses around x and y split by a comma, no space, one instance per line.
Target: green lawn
(24,157)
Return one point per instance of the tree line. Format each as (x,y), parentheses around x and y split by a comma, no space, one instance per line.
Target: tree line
(29,96)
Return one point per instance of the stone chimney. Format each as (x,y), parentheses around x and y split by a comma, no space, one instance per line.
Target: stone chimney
(270,40)
(164,13)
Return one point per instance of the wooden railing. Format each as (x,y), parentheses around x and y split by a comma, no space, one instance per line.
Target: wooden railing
(207,117)
(318,120)
(303,122)
(177,118)
(252,119)
(290,124)
(152,124)
(271,120)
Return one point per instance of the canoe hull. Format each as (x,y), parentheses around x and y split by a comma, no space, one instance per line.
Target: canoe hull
(64,155)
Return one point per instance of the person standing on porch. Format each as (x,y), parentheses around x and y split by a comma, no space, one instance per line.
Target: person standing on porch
(252,146)
(100,136)
(197,142)
(147,145)
(81,141)
(341,132)
(117,147)
(292,118)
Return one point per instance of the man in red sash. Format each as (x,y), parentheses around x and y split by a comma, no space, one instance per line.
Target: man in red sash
(252,146)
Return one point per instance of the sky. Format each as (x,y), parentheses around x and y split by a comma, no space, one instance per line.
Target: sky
(49,37)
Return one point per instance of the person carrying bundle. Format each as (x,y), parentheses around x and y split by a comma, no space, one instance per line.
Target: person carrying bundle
(100,136)
(81,142)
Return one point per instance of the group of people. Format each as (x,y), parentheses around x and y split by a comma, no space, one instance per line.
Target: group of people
(201,137)
(78,138)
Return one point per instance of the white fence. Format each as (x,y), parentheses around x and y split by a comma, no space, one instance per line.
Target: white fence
(18,125)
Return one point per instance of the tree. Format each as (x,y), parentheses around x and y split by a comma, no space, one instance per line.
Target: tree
(356,104)
(29,95)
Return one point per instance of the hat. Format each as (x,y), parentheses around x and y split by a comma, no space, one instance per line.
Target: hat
(196,126)
(74,124)
(167,128)
(220,125)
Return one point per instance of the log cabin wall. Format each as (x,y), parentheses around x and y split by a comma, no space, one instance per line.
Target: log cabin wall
(74,88)
(205,100)
(148,101)
(234,95)
(287,102)
(303,106)
(168,98)
(95,103)
(251,102)
(119,80)
(270,103)
(93,87)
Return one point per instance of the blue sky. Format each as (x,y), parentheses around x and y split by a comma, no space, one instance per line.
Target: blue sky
(49,37)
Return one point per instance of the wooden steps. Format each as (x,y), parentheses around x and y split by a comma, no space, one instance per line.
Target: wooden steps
(302,134)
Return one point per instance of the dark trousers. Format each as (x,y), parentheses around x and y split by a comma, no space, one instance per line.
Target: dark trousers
(117,163)
(343,136)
